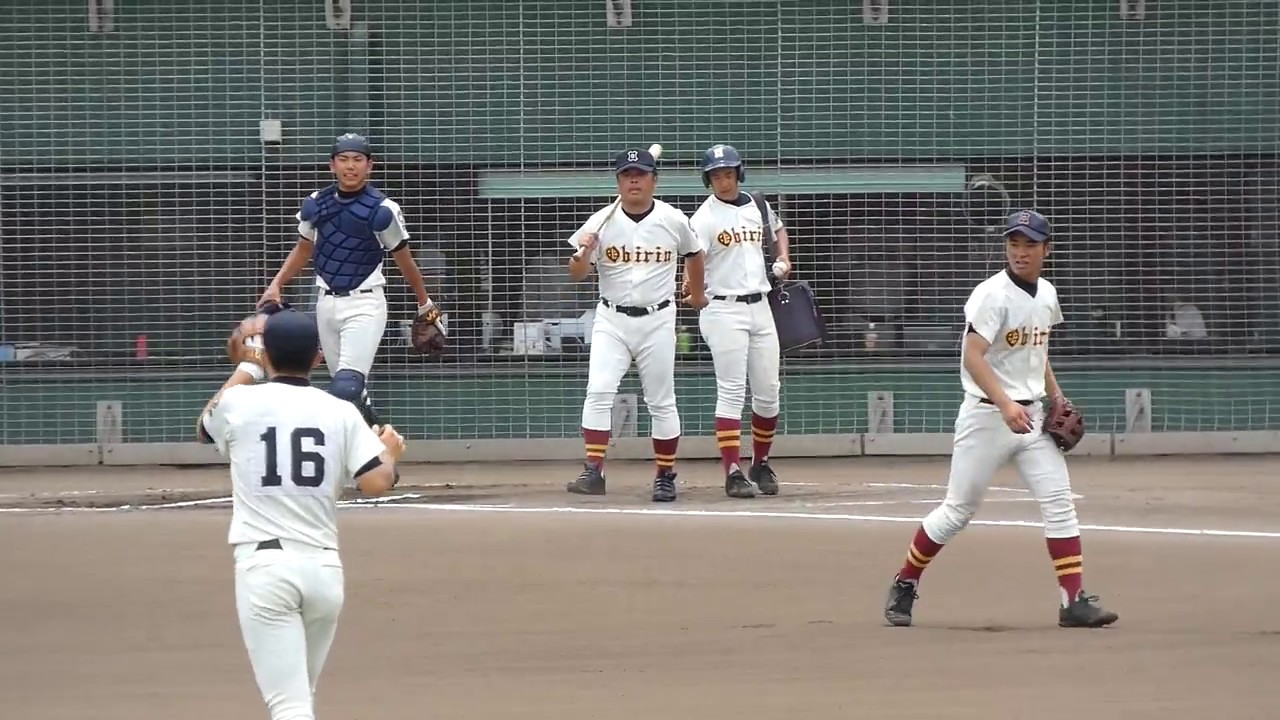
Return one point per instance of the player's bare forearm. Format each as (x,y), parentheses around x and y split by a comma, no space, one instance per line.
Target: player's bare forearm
(412,275)
(782,241)
(695,273)
(238,377)
(1051,385)
(298,258)
(975,361)
(579,268)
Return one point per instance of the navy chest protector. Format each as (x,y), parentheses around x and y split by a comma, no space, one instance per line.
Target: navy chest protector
(347,250)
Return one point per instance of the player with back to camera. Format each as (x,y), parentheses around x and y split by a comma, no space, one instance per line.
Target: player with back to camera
(737,324)
(635,251)
(292,449)
(348,227)
(1005,373)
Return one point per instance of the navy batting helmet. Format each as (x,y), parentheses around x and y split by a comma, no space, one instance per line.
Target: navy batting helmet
(351,142)
(721,156)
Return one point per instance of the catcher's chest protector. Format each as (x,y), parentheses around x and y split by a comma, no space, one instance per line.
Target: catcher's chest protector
(346,251)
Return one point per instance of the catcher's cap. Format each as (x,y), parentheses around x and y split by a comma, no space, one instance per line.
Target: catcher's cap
(351,142)
(1030,223)
(291,339)
(635,158)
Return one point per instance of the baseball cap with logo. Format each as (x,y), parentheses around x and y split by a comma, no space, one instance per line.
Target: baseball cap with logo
(1030,223)
(634,158)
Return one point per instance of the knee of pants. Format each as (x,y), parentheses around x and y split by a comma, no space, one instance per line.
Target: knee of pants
(948,519)
(766,404)
(1059,512)
(597,410)
(666,420)
(729,398)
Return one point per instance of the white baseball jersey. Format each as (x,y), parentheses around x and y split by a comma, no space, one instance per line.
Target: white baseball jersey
(1017,325)
(637,258)
(732,235)
(393,237)
(293,448)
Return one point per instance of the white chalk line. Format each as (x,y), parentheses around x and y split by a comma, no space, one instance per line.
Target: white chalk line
(813,516)
(392,501)
(923,486)
(937,501)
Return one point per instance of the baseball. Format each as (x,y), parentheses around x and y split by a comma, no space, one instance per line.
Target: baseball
(779,269)
(655,150)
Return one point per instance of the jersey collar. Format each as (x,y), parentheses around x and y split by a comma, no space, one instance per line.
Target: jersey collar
(291,380)
(1026,287)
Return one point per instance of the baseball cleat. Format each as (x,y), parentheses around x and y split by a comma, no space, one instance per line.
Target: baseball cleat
(764,478)
(736,485)
(902,597)
(590,482)
(1083,612)
(664,487)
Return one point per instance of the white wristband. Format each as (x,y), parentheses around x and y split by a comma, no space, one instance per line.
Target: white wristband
(253,369)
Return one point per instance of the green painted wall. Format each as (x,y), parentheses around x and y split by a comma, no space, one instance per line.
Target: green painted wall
(549,405)
(503,83)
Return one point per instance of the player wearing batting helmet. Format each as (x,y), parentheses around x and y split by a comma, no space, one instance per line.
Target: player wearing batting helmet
(737,324)
(347,228)
(1005,374)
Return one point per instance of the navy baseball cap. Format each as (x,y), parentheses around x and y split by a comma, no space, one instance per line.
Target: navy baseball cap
(291,338)
(635,158)
(1030,223)
(351,142)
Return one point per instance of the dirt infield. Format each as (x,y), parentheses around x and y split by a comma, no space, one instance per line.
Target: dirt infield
(485,591)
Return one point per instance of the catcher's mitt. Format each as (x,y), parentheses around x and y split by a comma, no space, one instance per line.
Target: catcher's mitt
(240,345)
(1064,423)
(430,332)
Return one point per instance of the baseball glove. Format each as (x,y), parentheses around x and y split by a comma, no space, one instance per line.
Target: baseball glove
(430,332)
(1064,423)
(239,347)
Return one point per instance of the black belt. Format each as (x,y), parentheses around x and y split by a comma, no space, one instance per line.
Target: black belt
(346,293)
(636,311)
(748,299)
(274,544)
(1023,403)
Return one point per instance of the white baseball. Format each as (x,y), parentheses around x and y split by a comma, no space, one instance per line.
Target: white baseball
(779,269)
(655,150)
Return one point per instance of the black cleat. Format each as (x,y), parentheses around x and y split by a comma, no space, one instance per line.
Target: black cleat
(1084,613)
(764,478)
(902,597)
(664,487)
(590,482)
(736,485)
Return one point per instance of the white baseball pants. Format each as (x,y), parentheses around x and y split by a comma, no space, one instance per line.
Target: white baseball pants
(744,346)
(983,443)
(351,328)
(288,601)
(649,340)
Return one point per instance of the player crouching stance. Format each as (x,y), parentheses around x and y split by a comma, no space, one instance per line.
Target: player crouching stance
(635,245)
(737,323)
(1006,374)
(292,449)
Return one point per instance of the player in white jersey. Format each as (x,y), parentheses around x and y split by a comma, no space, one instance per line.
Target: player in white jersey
(1005,373)
(292,449)
(349,226)
(635,251)
(737,324)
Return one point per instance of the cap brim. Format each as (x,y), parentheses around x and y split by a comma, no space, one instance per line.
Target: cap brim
(1034,235)
(638,166)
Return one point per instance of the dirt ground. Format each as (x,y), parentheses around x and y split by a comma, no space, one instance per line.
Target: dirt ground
(486,591)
